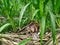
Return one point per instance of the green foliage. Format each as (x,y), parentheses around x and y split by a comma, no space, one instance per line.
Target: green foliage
(58,21)
(46,7)
(43,21)
(22,13)
(53,26)
(9,9)
(24,42)
(34,14)
(4,27)
(43,11)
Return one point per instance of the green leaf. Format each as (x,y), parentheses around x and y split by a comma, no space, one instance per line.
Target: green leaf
(52,16)
(24,41)
(22,13)
(42,28)
(34,14)
(57,6)
(41,7)
(4,26)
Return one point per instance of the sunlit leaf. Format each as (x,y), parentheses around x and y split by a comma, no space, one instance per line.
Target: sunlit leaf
(22,12)
(4,26)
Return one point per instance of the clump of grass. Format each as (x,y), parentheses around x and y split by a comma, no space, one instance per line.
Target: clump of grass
(42,8)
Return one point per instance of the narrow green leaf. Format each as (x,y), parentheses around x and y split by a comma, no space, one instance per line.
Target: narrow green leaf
(4,26)
(34,14)
(42,28)
(22,13)
(41,7)
(24,41)
(53,26)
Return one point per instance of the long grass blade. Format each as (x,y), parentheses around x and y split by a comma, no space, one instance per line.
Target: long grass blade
(53,26)
(42,28)
(22,13)
(34,14)
(4,26)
